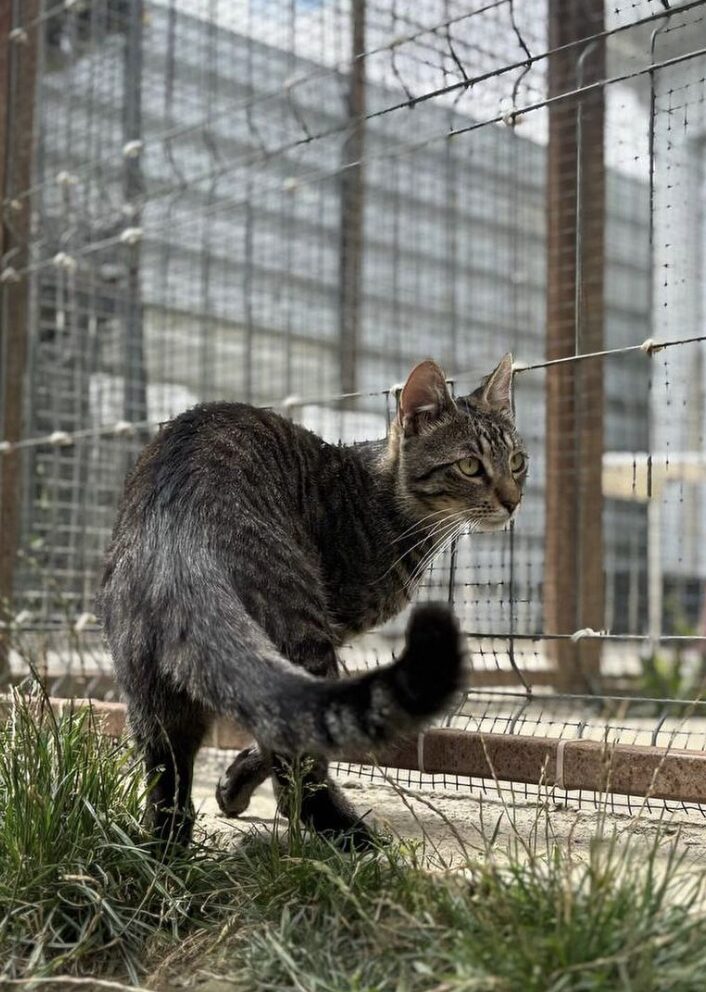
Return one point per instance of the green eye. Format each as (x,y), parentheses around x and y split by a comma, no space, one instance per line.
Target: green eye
(470,466)
(518,462)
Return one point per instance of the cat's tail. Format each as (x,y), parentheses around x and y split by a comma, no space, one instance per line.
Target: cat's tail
(292,712)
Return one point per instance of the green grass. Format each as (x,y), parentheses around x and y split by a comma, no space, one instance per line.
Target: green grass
(81,887)
(82,892)
(319,922)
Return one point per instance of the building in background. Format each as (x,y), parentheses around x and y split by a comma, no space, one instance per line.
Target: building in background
(195,228)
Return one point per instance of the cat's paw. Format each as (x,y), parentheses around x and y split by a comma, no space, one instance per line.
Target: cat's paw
(236,786)
(359,838)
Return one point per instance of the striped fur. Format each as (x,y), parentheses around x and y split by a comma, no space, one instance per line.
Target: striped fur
(247,549)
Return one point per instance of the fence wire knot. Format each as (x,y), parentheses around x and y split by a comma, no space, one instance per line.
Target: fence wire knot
(587,632)
(61,439)
(66,178)
(62,260)
(131,235)
(123,428)
(650,346)
(132,149)
(85,620)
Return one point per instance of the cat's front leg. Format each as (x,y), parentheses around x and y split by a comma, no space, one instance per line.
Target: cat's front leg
(236,786)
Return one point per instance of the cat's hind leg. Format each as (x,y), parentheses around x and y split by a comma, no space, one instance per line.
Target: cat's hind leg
(322,804)
(168,728)
(236,786)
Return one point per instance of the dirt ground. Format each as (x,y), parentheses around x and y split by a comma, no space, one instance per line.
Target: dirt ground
(454,823)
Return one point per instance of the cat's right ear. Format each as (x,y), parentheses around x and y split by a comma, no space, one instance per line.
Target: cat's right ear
(424,398)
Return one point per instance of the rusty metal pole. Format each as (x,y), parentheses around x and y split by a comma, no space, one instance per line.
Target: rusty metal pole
(573,579)
(352,207)
(18,73)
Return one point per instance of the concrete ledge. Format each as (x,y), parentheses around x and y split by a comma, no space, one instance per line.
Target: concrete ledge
(111,720)
(625,769)
(110,717)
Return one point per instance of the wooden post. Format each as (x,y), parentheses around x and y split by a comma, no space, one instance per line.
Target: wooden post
(135,382)
(18,71)
(352,204)
(573,578)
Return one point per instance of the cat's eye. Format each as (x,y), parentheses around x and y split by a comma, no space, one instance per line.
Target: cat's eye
(470,466)
(518,462)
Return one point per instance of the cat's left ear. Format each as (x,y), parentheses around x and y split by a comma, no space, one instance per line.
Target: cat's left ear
(496,389)
(425,397)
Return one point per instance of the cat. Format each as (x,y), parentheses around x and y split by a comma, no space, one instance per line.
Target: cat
(246,550)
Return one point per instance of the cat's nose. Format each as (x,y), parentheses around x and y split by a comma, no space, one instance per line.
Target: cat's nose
(508,499)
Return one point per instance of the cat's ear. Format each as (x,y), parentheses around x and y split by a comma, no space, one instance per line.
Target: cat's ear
(424,398)
(495,391)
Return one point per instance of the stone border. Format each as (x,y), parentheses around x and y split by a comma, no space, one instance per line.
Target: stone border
(624,769)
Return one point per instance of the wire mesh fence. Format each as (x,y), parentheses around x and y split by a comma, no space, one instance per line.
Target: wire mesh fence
(291,203)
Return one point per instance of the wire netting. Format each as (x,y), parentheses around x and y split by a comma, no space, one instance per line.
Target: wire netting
(291,203)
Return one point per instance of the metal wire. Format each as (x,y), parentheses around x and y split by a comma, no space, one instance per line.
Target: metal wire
(59,438)
(509,117)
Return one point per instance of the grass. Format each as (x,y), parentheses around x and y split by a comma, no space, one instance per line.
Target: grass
(83,892)
(81,887)
(319,922)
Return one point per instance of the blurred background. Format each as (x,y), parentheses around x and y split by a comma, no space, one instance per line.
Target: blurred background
(290,203)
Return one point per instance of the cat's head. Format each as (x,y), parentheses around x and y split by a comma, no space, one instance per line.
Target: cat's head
(459,455)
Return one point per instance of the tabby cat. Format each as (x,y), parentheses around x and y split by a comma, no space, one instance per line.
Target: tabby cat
(246,550)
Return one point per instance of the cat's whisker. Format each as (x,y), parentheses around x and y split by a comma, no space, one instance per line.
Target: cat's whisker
(425,532)
(439,529)
(447,538)
(440,525)
(444,544)
(439,537)
(417,524)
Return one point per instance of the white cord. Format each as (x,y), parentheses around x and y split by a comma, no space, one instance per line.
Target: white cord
(132,149)
(62,260)
(420,751)
(587,632)
(60,439)
(131,235)
(559,772)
